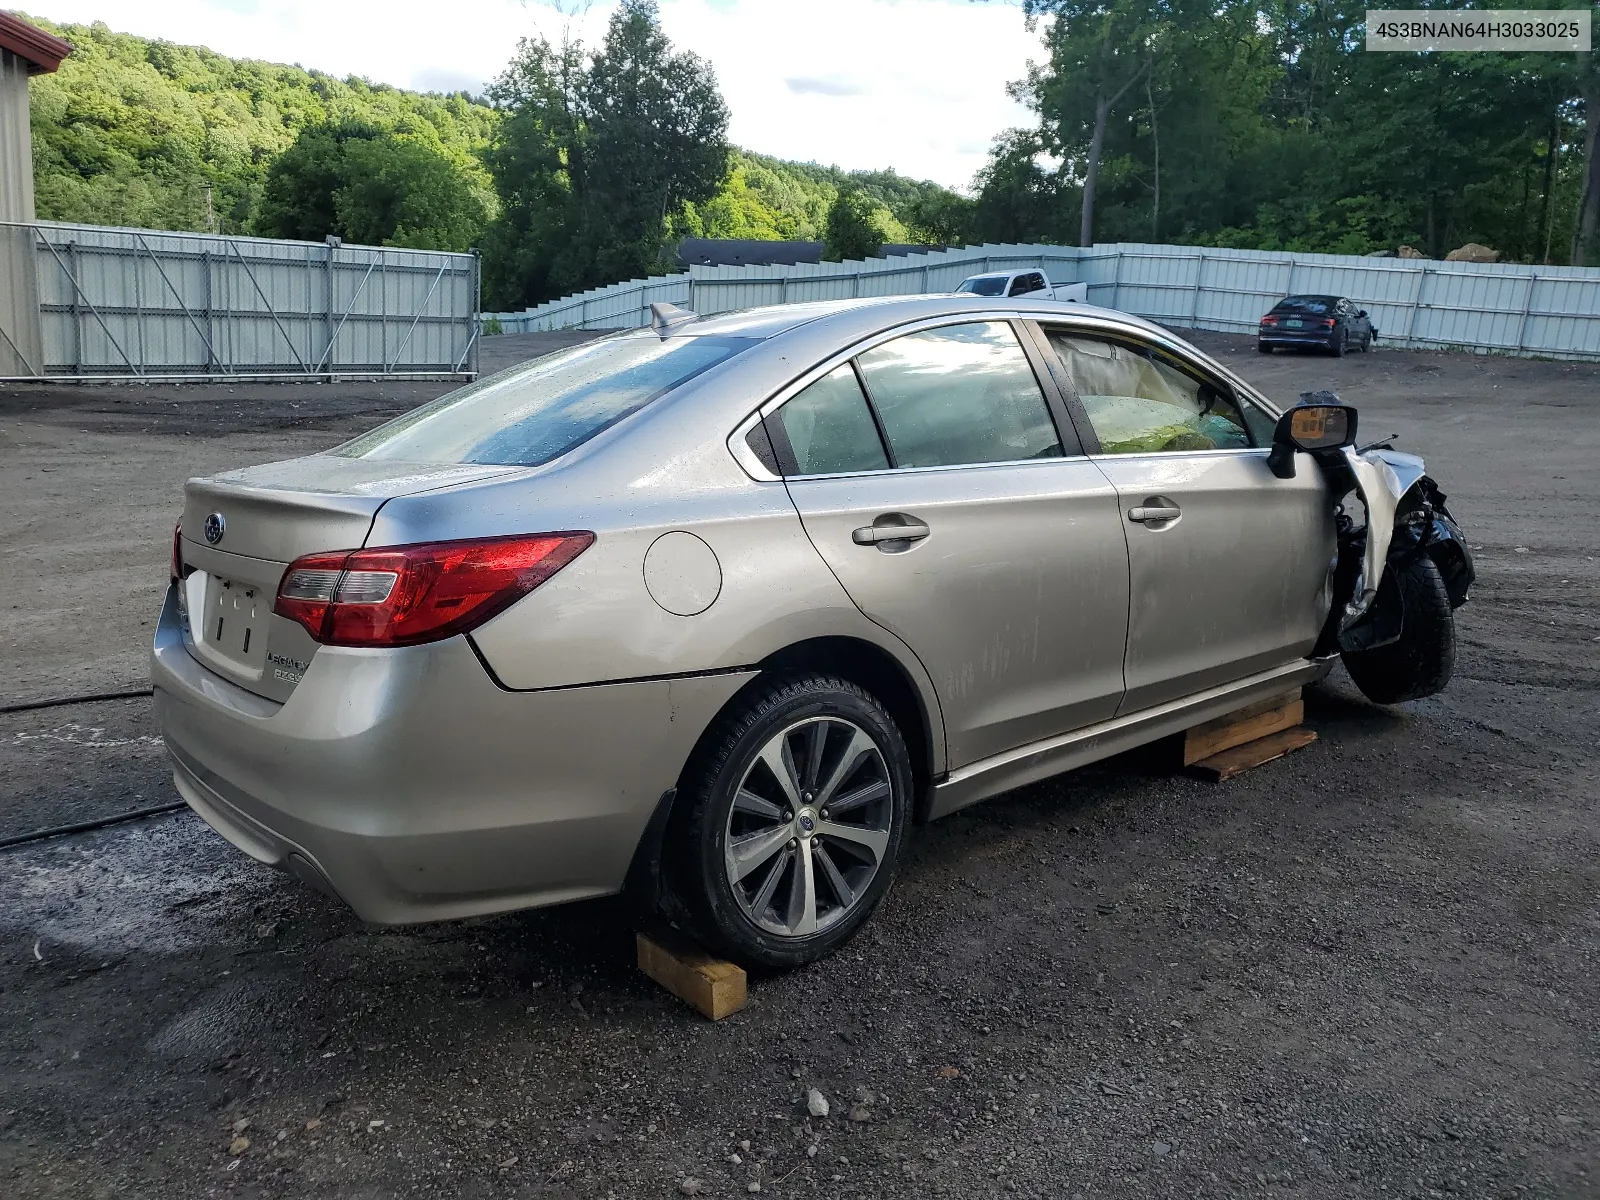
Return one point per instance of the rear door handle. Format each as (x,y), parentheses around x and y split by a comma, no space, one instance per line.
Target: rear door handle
(871,535)
(1154,512)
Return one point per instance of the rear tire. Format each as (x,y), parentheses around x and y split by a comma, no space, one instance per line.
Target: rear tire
(1420,662)
(1263,348)
(767,879)
(1340,344)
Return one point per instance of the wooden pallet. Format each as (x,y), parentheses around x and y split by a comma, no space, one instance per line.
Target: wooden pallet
(1246,725)
(1252,754)
(1264,731)
(713,986)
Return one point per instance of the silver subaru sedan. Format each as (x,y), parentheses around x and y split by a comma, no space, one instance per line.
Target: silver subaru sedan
(718,610)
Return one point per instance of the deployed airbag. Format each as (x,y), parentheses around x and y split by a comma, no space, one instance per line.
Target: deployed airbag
(1131,424)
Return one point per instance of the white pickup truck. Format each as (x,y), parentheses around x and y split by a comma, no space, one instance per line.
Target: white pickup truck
(1023,283)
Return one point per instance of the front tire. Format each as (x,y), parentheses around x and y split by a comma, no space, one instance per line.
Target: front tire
(1420,662)
(794,813)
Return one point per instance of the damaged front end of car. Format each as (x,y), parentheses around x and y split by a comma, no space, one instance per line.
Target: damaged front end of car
(1401,569)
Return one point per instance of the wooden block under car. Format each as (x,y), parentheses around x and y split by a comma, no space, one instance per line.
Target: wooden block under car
(1246,725)
(1252,754)
(712,985)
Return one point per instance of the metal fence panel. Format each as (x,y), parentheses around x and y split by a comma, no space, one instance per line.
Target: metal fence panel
(1484,307)
(135,303)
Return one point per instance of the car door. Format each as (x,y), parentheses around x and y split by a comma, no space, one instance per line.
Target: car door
(1346,313)
(942,484)
(1030,283)
(1360,325)
(1229,566)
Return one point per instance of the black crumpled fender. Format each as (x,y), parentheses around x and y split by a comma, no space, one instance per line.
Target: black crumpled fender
(1404,502)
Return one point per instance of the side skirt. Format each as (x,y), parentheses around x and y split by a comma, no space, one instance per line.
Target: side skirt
(1040,760)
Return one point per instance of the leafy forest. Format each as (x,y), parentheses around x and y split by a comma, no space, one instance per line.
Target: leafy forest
(1263,125)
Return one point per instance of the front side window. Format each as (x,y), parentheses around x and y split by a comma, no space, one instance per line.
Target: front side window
(829,428)
(537,411)
(959,394)
(1138,401)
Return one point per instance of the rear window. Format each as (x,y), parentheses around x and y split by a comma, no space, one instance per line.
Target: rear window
(991,285)
(539,410)
(1306,304)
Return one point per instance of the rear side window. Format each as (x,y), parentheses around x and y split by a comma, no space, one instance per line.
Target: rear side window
(537,411)
(1027,283)
(829,428)
(959,394)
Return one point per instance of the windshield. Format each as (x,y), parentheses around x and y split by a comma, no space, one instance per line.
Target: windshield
(1306,304)
(539,410)
(984,285)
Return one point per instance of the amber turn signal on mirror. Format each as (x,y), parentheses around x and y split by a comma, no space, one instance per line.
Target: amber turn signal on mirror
(1316,428)
(1320,426)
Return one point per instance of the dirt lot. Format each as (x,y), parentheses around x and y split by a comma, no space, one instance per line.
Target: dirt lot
(1368,970)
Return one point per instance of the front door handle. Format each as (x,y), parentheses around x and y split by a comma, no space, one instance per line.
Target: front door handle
(1154,512)
(906,529)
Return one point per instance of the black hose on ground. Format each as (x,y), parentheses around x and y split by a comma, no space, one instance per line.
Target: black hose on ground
(64,701)
(39,835)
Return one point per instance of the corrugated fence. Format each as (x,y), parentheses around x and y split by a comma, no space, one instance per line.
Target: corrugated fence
(1484,307)
(133,303)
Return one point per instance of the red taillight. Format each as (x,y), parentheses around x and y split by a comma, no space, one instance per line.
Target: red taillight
(177,552)
(1269,320)
(403,595)
(1328,322)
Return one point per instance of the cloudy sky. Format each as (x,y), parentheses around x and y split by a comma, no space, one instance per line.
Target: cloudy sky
(917,85)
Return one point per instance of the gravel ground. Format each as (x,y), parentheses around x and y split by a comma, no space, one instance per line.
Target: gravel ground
(1366,970)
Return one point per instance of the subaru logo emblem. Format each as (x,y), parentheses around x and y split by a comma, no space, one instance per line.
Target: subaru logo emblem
(215,527)
(807,823)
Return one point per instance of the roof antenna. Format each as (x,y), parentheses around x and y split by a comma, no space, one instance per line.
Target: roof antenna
(666,317)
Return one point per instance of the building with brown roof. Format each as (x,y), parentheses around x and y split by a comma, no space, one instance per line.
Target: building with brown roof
(24,51)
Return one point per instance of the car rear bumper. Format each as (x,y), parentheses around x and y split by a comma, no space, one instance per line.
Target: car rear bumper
(1321,338)
(412,786)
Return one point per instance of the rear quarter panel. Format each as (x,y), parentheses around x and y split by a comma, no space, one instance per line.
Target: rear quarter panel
(597,620)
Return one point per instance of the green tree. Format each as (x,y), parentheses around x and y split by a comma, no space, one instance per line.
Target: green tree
(534,158)
(1586,238)
(939,218)
(374,187)
(656,138)
(399,192)
(1269,125)
(1099,51)
(738,210)
(1018,201)
(146,133)
(298,195)
(598,155)
(858,225)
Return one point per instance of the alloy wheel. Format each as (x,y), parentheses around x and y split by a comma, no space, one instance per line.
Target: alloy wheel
(809,826)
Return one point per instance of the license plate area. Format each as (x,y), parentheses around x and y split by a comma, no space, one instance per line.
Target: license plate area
(1292,323)
(232,623)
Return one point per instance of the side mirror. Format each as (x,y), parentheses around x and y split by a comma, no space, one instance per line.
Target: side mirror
(1362,313)
(1316,428)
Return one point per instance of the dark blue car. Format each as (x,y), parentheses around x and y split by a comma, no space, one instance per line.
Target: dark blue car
(1329,323)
